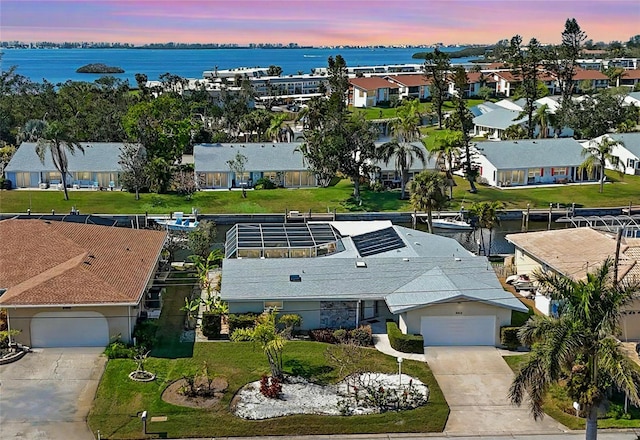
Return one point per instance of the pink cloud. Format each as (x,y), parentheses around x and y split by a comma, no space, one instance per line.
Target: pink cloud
(314,22)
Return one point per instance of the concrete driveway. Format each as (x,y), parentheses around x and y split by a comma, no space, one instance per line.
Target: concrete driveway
(48,393)
(475,381)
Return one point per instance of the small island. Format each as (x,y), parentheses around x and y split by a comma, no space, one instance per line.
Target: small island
(99,68)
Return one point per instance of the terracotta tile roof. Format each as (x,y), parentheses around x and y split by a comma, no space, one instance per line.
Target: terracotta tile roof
(507,76)
(372,83)
(48,263)
(410,80)
(564,250)
(474,77)
(588,74)
(631,74)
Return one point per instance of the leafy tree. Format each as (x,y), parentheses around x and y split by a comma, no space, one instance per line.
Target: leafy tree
(514,132)
(579,347)
(634,42)
(6,153)
(446,151)
(356,149)
(428,193)
(184,180)
(278,129)
(487,214)
(237,164)
(614,74)
(485,92)
(598,155)
(525,62)
(202,238)
(436,67)
(338,81)
(58,138)
(462,121)
(270,340)
(133,162)
(562,59)
(405,131)
(274,70)
(595,116)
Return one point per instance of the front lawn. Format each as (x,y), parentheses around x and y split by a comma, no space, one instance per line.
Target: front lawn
(618,193)
(119,401)
(557,404)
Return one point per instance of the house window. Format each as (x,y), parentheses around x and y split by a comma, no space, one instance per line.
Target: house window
(562,171)
(52,176)
(631,163)
(535,172)
(270,305)
(23,180)
(82,175)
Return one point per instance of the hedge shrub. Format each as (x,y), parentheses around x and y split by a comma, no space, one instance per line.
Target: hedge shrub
(244,320)
(362,336)
(211,325)
(145,333)
(404,343)
(509,337)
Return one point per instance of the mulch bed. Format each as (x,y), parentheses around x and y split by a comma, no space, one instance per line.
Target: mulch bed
(172,394)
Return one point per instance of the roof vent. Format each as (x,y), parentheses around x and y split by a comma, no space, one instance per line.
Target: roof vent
(457,259)
(405,259)
(295,278)
(361,264)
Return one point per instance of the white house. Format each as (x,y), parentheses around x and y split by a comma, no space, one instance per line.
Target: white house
(341,274)
(411,85)
(370,91)
(532,161)
(627,150)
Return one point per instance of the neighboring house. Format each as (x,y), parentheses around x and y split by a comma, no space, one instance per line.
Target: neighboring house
(630,78)
(390,177)
(411,86)
(359,271)
(69,284)
(627,151)
(371,91)
(475,81)
(596,80)
(563,251)
(632,98)
(282,163)
(506,82)
(483,108)
(97,168)
(493,124)
(532,161)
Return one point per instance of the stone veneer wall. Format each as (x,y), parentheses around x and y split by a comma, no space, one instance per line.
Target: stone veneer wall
(338,314)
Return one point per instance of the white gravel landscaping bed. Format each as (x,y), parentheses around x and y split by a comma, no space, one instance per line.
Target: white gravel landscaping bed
(302,397)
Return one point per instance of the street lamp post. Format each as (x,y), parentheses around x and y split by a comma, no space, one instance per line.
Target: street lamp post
(400,370)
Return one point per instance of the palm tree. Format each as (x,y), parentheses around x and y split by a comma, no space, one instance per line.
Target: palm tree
(57,138)
(428,193)
(405,130)
(279,130)
(541,118)
(488,218)
(405,155)
(447,150)
(597,157)
(579,347)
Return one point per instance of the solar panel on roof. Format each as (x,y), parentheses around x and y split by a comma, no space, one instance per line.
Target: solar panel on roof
(377,242)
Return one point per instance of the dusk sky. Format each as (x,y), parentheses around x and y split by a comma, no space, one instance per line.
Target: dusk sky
(313,22)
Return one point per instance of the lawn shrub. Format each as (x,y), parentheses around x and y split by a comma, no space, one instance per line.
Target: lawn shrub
(265,183)
(211,325)
(340,335)
(145,333)
(243,320)
(322,335)
(402,342)
(119,350)
(509,337)
(270,387)
(362,336)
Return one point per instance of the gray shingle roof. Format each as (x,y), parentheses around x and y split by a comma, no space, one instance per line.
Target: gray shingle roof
(446,271)
(530,153)
(498,118)
(263,156)
(98,156)
(631,141)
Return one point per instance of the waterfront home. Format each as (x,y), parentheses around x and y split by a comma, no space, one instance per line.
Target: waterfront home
(627,150)
(532,161)
(630,78)
(71,285)
(586,80)
(475,81)
(493,123)
(563,251)
(412,86)
(282,163)
(97,168)
(343,274)
(372,91)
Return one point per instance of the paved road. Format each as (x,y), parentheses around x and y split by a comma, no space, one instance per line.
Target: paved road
(47,394)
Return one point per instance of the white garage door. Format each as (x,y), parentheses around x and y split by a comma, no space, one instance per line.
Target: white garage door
(69,329)
(458,330)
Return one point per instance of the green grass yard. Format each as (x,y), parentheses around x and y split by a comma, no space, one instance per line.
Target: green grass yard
(620,192)
(558,404)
